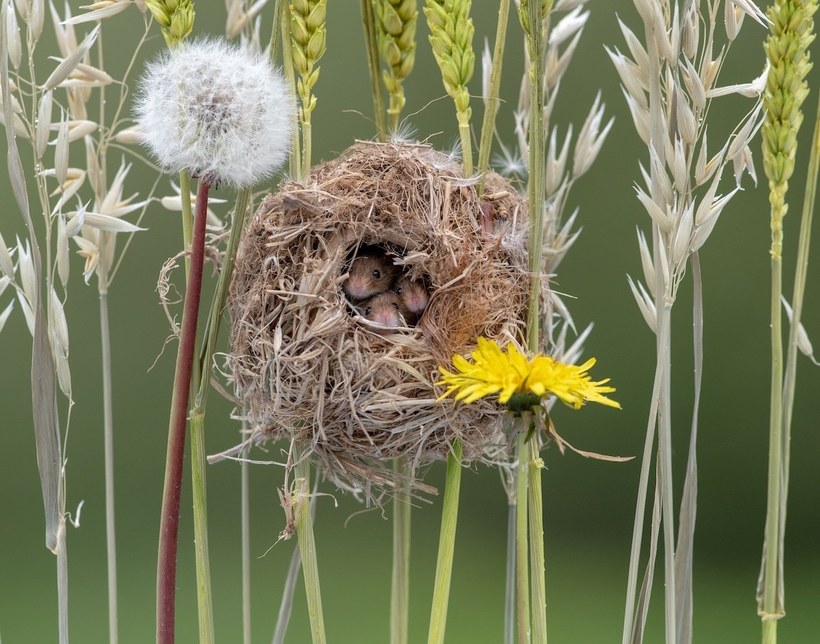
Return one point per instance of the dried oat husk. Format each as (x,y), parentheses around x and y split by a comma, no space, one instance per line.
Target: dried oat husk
(307,368)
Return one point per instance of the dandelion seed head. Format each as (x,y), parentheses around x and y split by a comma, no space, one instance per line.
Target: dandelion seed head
(217,110)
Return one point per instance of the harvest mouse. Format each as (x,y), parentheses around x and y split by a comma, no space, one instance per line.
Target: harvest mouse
(385,309)
(369,274)
(414,296)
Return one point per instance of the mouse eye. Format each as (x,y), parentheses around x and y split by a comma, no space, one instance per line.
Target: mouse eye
(398,290)
(377,273)
(395,306)
(368,310)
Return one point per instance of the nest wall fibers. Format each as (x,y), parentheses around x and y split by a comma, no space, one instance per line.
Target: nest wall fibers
(308,368)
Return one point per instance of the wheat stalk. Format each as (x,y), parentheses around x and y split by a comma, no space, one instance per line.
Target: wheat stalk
(792,31)
(308,41)
(451,37)
(397,43)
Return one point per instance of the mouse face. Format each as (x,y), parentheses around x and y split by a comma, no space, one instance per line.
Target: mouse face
(413,295)
(369,274)
(385,309)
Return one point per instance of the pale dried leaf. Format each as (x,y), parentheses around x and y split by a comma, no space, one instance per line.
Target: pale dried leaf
(752,10)
(701,176)
(632,77)
(556,65)
(129,136)
(37,14)
(28,314)
(61,151)
(568,26)
(109,224)
(100,11)
(4,316)
(556,162)
(90,252)
(25,266)
(678,165)
(6,263)
(687,126)
(645,304)
(694,86)
(591,138)
(71,61)
(58,331)
(486,68)
(43,124)
(13,41)
(74,181)
(640,117)
(62,251)
(803,341)
(646,258)
(655,212)
(682,235)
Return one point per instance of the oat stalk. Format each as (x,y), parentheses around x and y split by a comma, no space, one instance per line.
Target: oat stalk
(446,546)
(451,37)
(792,31)
(669,82)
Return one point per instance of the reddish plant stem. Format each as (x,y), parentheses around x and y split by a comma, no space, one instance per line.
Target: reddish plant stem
(169,520)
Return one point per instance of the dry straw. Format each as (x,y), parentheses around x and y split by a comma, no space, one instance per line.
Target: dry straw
(307,368)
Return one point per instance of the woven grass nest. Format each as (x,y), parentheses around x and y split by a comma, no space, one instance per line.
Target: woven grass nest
(305,364)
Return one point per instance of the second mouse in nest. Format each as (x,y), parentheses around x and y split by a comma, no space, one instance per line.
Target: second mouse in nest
(369,274)
(414,297)
(385,309)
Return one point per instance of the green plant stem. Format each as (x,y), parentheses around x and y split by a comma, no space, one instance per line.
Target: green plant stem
(535,182)
(509,586)
(201,384)
(246,547)
(466,142)
(369,26)
(187,214)
(400,587)
(108,446)
(446,546)
(492,101)
(771,611)
(307,549)
(295,155)
(522,594)
(169,519)
(537,557)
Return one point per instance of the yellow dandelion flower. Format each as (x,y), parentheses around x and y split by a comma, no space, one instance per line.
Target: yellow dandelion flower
(521,382)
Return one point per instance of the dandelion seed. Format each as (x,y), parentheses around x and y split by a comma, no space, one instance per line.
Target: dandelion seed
(221,112)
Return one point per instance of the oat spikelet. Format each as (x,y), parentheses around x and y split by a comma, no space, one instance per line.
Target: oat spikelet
(451,36)
(787,52)
(175,17)
(397,43)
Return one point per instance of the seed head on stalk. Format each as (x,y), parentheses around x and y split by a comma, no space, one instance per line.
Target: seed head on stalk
(451,36)
(175,17)
(223,114)
(216,110)
(397,43)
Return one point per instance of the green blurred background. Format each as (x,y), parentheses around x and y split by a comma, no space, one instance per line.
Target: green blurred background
(589,504)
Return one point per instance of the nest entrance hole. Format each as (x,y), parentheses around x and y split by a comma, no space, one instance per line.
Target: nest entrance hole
(381,288)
